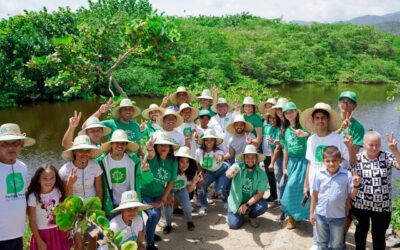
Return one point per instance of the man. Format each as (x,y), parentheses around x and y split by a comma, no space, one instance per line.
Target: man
(149,126)
(13,182)
(169,121)
(178,98)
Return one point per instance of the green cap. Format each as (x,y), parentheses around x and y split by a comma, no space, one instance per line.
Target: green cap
(288,106)
(348,94)
(204,112)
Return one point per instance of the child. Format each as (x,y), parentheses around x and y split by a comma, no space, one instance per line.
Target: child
(188,127)
(185,183)
(249,109)
(211,159)
(128,219)
(248,186)
(332,188)
(149,126)
(45,191)
(206,99)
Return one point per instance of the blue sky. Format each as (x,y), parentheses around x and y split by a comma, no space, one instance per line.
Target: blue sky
(307,10)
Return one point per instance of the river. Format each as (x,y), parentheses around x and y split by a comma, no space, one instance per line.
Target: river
(47,122)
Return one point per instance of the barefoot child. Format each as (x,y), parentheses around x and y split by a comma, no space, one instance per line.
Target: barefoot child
(45,191)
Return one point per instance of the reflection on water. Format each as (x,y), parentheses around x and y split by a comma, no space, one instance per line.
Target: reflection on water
(47,122)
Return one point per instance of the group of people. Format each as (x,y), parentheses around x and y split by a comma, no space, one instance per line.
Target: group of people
(311,161)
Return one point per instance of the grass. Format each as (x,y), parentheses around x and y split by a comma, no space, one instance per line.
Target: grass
(27,235)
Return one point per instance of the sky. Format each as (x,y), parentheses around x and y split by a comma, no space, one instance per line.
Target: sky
(289,10)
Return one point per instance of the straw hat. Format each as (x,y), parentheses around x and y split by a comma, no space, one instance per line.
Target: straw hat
(152,107)
(184,152)
(205,94)
(348,94)
(181,89)
(221,101)
(269,112)
(280,102)
(250,149)
(81,142)
(164,139)
(261,106)
(307,122)
(129,199)
(210,133)
(194,111)
(249,101)
(289,106)
(120,135)
(12,132)
(239,118)
(126,103)
(94,122)
(160,119)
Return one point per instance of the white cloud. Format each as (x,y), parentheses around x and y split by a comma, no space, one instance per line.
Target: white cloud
(316,10)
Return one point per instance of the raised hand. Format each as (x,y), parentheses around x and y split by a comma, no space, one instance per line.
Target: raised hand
(347,120)
(150,143)
(356,178)
(104,108)
(232,172)
(348,140)
(197,177)
(249,140)
(298,132)
(144,166)
(392,143)
(219,159)
(72,177)
(74,120)
(142,125)
(165,100)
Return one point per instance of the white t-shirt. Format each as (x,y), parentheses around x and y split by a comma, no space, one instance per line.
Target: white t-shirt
(210,164)
(238,144)
(219,125)
(120,175)
(44,210)
(188,127)
(12,200)
(181,182)
(315,148)
(175,136)
(84,185)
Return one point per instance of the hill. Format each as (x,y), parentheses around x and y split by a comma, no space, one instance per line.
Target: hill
(374,19)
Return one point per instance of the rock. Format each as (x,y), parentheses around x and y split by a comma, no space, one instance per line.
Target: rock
(390,231)
(392,241)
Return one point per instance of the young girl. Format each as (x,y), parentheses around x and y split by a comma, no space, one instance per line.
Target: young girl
(188,127)
(211,159)
(249,109)
(294,165)
(185,183)
(45,191)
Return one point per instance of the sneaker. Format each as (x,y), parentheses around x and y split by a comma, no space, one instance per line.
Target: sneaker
(314,247)
(167,230)
(157,237)
(178,210)
(202,211)
(190,226)
(210,201)
(282,217)
(151,247)
(254,222)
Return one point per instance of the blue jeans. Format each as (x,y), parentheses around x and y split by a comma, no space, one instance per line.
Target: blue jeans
(330,231)
(221,184)
(184,201)
(154,216)
(280,181)
(236,220)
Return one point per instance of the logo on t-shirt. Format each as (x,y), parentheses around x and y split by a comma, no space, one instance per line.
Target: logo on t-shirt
(319,153)
(162,174)
(187,131)
(247,185)
(118,175)
(207,163)
(179,184)
(15,183)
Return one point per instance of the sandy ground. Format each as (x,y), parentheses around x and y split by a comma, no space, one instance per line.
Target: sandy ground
(212,232)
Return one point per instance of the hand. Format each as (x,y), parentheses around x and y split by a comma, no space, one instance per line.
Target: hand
(392,143)
(306,192)
(142,125)
(74,120)
(41,245)
(299,132)
(165,100)
(237,106)
(346,121)
(232,172)
(261,164)
(219,159)
(271,168)
(249,140)
(157,204)
(312,218)
(72,177)
(144,166)
(104,108)
(195,135)
(150,143)
(197,177)
(348,140)
(242,209)
(214,90)
(356,178)
(285,173)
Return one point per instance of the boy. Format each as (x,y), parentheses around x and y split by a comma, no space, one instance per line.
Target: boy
(332,188)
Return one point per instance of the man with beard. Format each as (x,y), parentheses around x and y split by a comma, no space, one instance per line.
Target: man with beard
(241,136)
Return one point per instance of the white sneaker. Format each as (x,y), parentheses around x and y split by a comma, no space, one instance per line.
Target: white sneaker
(202,211)
(254,222)
(210,201)
(314,247)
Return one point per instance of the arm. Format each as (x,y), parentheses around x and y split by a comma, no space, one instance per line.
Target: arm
(275,155)
(214,91)
(99,187)
(306,184)
(253,200)
(259,135)
(314,200)
(285,161)
(140,241)
(35,232)
(348,142)
(69,134)
(229,154)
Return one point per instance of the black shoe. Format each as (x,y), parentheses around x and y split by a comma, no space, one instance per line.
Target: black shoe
(270,199)
(151,247)
(178,210)
(167,230)
(190,226)
(157,237)
(282,217)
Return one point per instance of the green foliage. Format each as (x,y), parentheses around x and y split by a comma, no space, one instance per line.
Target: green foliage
(396,208)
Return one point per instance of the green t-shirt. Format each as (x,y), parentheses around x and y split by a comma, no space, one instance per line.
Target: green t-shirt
(273,133)
(149,130)
(255,120)
(247,186)
(296,146)
(356,130)
(163,172)
(212,113)
(132,129)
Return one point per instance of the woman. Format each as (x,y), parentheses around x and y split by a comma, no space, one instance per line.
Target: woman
(294,165)
(374,201)
(164,168)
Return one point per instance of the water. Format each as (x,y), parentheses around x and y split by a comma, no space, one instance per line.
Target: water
(47,122)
